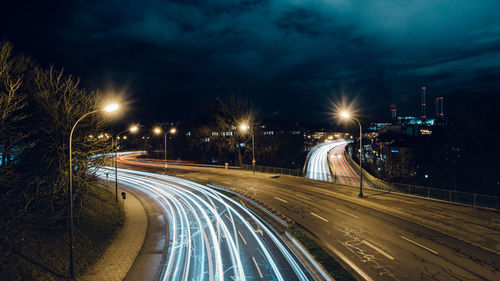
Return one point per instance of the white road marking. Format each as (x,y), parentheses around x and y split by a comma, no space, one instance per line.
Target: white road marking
(302,196)
(282,200)
(228,218)
(258,268)
(241,236)
(418,244)
(319,217)
(347,213)
(378,250)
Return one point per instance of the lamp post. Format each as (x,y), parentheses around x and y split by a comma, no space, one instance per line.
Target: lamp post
(347,115)
(132,129)
(158,131)
(108,108)
(245,127)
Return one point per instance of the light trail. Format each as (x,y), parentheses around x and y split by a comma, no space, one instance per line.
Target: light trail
(317,167)
(206,233)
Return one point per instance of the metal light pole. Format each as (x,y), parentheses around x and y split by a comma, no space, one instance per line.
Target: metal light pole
(360,159)
(132,129)
(246,127)
(253,152)
(109,108)
(158,130)
(347,115)
(165,152)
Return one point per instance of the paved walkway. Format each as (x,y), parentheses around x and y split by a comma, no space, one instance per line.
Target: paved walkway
(120,255)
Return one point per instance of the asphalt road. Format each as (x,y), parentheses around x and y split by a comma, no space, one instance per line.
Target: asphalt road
(382,236)
(211,236)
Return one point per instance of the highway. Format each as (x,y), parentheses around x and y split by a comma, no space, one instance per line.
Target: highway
(380,237)
(317,167)
(211,236)
(343,173)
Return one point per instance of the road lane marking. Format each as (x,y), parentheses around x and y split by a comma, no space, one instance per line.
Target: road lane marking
(302,196)
(418,244)
(319,217)
(378,250)
(347,213)
(258,268)
(241,236)
(228,218)
(282,200)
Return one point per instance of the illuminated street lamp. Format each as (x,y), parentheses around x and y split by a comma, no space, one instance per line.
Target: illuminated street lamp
(109,108)
(245,127)
(346,115)
(132,129)
(158,131)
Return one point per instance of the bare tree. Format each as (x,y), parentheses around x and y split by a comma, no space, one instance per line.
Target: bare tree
(233,111)
(12,102)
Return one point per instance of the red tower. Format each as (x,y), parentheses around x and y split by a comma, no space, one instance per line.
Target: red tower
(440,107)
(394,113)
(423,103)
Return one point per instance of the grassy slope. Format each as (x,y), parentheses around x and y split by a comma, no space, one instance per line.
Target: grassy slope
(43,254)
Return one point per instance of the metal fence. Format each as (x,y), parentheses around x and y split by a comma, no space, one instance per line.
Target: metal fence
(472,199)
(274,170)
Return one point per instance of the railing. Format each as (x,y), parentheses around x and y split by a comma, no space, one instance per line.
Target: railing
(274,170)
(472,199)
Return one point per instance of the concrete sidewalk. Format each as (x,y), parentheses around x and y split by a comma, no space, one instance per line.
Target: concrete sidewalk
(120,255)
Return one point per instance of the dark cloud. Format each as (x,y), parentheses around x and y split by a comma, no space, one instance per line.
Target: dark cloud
(290,56)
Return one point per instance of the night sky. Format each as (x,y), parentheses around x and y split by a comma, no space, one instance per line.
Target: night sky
(290,57)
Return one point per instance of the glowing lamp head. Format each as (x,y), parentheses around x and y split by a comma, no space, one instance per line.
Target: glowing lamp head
(111,107)
(244,127)
(345,115)
(134,129)
(173,130)
(157,130)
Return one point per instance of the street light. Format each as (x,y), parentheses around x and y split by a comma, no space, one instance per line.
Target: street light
(347,115)
(245,127)
(132,129)
(109,108)
(158,131)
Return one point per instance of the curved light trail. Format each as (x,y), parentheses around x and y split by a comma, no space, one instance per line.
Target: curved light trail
(317,167)
(212,236)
